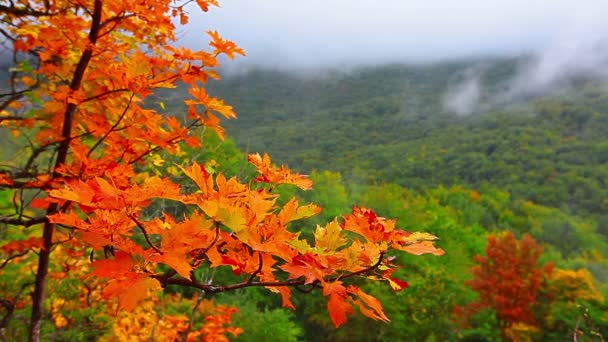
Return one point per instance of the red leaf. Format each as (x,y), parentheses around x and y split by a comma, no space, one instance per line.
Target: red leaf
(395,283)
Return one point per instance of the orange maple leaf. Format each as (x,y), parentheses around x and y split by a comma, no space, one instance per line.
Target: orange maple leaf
(128,286)
(204,4)
(337,306)
(226,47)
(423,247)
(369,305)
(18,246)
(282,175)
(367,224)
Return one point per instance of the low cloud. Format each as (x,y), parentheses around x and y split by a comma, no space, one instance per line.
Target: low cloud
(464,97)
(578,51)
(320,33)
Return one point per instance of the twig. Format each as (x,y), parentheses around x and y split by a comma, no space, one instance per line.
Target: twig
(10,305)
(256,271)
(199,300)
(143,230)
(113,128)
(204,251)
(308,290)
(14,256)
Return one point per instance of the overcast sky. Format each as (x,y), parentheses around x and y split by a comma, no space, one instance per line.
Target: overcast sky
(330,32)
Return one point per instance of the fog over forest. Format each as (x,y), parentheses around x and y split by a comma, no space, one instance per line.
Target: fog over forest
(561,39)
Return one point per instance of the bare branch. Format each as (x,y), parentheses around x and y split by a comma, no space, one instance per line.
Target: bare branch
(23,222)
(105,93)
(199,300)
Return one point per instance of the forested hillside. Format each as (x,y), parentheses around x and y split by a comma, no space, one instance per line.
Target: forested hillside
(389,123)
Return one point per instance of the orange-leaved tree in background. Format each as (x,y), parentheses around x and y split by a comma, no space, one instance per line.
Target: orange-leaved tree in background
(80,71)
(508,279)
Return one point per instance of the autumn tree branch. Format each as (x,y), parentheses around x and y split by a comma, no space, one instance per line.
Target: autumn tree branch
(24,11)
(208,288)
(174,140)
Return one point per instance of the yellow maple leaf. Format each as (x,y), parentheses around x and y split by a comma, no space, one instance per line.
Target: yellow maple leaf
(329,238)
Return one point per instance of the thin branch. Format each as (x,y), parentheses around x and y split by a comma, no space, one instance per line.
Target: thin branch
(259,269)
(63,241)
(113,128)
(143,230)
(199,300)
(7,35)
(14,256)
(204,251)
(10,305)
(22,11)
(21,92)
(11,99)
(181,5)
(291,282)
(308,290)
(18,118)
(114,21)
(24,185)
(22,222)
(36,152)
(105,93)
(174,140)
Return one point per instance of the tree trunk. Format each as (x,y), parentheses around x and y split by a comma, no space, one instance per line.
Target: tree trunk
(41,273)
(62,153)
